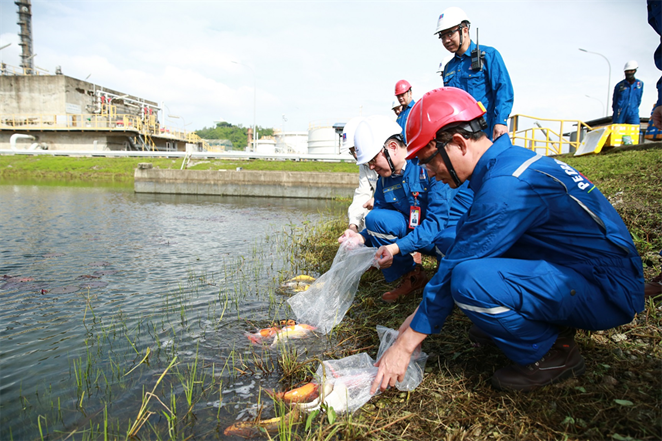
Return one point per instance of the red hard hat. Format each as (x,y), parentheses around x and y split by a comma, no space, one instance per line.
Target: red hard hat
(401,87)
(436,109)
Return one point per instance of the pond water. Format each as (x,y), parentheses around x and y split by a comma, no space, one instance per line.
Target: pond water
(103,290)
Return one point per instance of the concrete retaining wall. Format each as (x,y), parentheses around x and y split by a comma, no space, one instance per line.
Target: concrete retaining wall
(246,183)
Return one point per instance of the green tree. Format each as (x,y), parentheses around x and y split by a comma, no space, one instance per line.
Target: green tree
(238,135)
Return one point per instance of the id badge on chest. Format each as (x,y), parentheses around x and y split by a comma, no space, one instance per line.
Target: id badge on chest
(414,217)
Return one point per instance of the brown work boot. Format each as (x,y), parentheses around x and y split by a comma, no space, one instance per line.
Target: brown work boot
(413,280)
(654,287)
(479,338)
(562,361)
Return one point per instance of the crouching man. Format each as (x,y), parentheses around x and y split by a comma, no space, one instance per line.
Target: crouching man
(540,253)
(412,211)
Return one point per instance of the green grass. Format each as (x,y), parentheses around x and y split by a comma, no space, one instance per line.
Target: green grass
(122,169)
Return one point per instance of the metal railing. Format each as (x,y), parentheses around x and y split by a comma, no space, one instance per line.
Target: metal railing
(146,127)
(7,69)
(548,138)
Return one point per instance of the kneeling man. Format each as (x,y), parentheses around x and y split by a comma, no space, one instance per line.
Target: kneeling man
(540,253)
(412,211)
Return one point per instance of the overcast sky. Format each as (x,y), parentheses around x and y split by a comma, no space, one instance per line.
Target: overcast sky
(325,62)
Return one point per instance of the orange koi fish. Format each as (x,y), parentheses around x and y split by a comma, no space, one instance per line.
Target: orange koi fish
(250,429)
(285,327)
(295,331)
(303,394)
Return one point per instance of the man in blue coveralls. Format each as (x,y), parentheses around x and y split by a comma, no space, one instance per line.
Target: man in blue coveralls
(412,211)
(405,98)
(484,76)
(540,252)
(654,287)
(627,96)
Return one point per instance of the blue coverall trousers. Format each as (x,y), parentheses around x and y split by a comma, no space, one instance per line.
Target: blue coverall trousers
(521,303)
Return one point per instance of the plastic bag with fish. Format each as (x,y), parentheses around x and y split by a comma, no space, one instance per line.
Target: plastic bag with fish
(326,302)
(352,377)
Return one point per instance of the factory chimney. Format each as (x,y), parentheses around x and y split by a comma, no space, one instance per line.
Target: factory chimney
(25,23)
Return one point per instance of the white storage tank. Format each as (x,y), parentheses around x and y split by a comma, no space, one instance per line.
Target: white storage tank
(292,142)
(322,139)
(266,146)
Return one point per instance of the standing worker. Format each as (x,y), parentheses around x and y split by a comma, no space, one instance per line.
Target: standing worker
(484,76)
(404,95)
(540,253)
(627,96)
(363,194)
(396,107)
(412,211)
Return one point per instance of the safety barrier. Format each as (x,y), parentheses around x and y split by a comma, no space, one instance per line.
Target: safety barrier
(550,139)
(7,69)
(143,127)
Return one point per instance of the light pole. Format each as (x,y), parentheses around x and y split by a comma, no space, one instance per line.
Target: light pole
(254,101)
(608,79)
(594,98)
(180,117)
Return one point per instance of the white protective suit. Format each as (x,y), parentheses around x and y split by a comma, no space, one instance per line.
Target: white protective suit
(367,183)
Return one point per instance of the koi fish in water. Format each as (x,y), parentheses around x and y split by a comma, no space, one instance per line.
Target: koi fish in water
(250,429)
(288,332)
(280,333)
(298,284)
(303,394)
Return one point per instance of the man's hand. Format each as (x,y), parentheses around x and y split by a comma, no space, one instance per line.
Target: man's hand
(657,117)
(352,236)
(499,129)
(393,364)
(369,204)
(385,255)
(353,227)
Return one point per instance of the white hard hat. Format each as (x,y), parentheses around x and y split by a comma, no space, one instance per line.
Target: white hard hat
(395,104)
(348,132)
(371,134)
(631,65)
(452,16)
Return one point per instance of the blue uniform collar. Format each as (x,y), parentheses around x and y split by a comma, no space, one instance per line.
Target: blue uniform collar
(402,172)
(471,47)
(485,162)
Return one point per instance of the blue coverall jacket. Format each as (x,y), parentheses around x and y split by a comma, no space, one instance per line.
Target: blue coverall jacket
(626,101)
(491,85)
(539,248)
(655,20)
(402,119)
(388,221)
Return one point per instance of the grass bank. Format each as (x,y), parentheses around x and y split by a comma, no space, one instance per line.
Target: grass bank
(121,169)
(618,398)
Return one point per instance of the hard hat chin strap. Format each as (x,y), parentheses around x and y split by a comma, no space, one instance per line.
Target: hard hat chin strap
(448,163)
(388,159)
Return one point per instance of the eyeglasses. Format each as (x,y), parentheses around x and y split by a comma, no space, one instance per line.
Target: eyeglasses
(431,157)
(428,159)
(448,34)
(373,161)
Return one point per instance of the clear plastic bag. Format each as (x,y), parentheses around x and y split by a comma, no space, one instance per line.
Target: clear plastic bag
(326,302)
(416,368)
(357,372)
